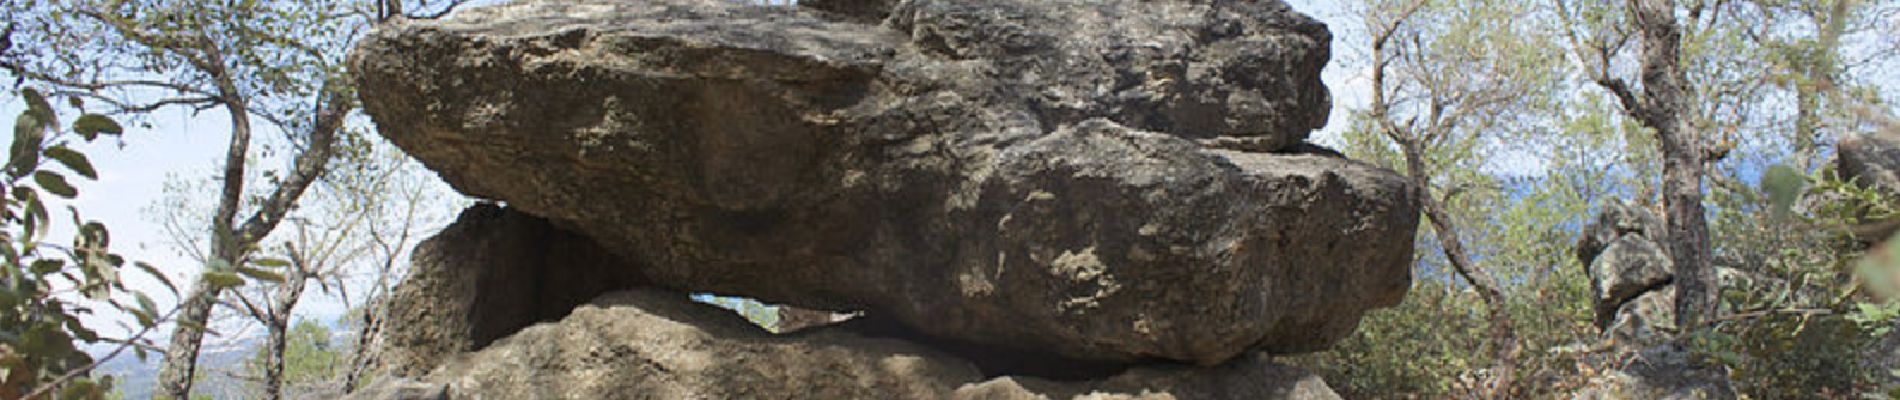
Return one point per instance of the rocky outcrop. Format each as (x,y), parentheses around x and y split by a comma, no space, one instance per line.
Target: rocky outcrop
(660,345)
(492,273)
(1631,281)
(1630,275)
(1664,372)
(1116,180)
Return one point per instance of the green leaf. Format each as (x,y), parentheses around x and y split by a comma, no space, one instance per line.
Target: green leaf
(146,305)
(1784,186)
(144,318)
(261,275)
(191,325)
(91,126)
(95,233)
(73,160)
(55,184)
(220,280)
(28,135)
(79,331)
(270,262)
(43,267)
(153,271)
(36,103)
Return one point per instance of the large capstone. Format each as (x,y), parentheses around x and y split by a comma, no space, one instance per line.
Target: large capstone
(1106,180)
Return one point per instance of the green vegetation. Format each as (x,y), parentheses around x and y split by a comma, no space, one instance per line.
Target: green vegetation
(46,286)
(1768,92)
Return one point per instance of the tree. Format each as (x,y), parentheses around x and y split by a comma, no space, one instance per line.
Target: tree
(361,219)
(307,358)
(398,199)
(271,61)
(271,65)
(1445,77)
(1662,105)
(240,57)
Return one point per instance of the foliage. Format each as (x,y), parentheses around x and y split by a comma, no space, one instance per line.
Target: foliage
(310,357)
(1793,323)
(46,287)
(761,314)
(1788,292)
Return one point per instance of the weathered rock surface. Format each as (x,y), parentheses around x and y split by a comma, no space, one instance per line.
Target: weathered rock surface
(1872,160)
(397,388)
(1630,275)
(492,273)
(1631,279)
(1661,373)
(659,345)
(1007,172)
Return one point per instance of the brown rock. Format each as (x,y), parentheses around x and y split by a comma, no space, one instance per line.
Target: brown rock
(492,273)
(1005,172)
(659,345)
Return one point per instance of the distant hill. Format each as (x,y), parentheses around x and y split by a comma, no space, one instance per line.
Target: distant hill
(219,361)
(216,363)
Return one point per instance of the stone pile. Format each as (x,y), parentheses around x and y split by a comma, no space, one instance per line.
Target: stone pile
(1631,277)
(1116,191)
(1633,293)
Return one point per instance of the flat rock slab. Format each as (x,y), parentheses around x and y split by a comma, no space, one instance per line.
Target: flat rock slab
(1054,175)
(659,345)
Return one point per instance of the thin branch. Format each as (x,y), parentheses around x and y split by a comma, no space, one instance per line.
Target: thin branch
(308,167)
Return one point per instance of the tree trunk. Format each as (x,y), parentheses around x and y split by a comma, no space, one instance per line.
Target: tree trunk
(285,301)
(1664,102)
(363,355)
(1503,333)
(181,357)
(274,358)
(230,242)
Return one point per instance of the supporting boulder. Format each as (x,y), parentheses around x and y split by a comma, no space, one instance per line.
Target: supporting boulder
(491,274)
(659,345)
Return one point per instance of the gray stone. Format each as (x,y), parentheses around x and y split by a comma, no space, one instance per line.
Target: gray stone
(1621,257)
(659,345)
(1013,173)
(1630,280)
(1647,319)
(867,11)
(1631,266)
(1871,160)
(398,388)
(1661,373)
(1616,220)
